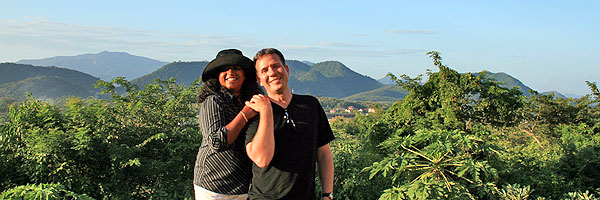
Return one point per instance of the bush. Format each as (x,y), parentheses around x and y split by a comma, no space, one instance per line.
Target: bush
(42,192)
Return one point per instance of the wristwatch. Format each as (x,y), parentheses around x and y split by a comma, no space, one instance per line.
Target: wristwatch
(328,195)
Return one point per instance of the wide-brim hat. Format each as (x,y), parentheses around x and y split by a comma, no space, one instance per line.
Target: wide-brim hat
(229,57)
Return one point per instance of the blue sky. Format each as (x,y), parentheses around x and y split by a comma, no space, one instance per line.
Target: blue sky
(548,45)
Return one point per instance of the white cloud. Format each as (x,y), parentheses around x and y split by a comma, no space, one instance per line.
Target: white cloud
(34,37)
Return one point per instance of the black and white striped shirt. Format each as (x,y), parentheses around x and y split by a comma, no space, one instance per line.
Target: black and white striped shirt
(220,167)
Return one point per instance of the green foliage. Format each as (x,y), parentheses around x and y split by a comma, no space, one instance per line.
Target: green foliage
(580,162)
(42,192)
(450,164)
(580,196)
(449,100)
(515,192)
(5,103)
(456,136)
(137,146)
(351,156)
(461,135)
(594,88)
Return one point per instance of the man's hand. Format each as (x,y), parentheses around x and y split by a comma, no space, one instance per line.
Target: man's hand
(259,103)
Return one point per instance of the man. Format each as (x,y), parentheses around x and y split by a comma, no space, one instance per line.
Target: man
(284,162)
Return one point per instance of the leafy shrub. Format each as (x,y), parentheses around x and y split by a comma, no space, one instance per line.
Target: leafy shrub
(42,192)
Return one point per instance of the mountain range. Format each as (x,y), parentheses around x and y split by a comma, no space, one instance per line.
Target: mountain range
(105,65)
(44,82)
(329,78)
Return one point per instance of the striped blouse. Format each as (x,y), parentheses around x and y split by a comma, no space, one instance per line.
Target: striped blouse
(220,167)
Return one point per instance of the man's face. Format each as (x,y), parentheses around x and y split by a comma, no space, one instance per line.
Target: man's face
(272,74)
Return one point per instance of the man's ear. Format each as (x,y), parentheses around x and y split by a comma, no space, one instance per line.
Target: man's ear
(259,82)
(287,68)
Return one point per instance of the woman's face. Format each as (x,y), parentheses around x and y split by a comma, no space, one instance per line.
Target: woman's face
(232,78)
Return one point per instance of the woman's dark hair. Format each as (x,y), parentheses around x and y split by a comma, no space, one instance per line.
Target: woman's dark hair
(212,87)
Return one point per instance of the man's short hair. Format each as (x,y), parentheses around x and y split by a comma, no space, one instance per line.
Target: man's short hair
(267,51)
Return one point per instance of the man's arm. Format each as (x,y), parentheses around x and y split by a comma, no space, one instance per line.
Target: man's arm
(325,164)
(262,147)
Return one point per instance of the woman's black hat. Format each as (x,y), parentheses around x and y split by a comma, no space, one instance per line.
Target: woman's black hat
(229,57)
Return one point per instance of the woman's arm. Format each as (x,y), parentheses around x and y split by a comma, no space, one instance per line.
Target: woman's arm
(217,130)
(237,124)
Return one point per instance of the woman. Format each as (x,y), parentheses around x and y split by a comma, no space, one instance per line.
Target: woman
(223,169)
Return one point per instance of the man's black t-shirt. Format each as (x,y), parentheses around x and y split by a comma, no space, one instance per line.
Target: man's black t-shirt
(299,130)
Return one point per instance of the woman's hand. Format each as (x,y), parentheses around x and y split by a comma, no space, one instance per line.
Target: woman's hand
(249,112)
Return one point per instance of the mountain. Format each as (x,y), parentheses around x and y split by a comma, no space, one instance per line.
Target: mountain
(555,93)
(308,63)
(573,96)
(183,72)
(391,92)
(297,68)
(386,80)
(387,93)
(106,65)
(510,82)
(330,78)
(44,82)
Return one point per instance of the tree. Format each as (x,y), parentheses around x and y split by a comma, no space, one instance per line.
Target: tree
(449,100)
(139,145)
(434,142)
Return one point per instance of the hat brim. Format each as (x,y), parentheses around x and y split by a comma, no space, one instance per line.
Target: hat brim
(215,66)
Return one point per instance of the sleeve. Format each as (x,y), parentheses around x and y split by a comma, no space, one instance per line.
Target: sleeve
(325,134)
(212,123)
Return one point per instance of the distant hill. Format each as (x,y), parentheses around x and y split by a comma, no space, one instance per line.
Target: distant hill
(572,95)
(44,82)
(308,63)
(330,78)
(391,92)
(555,93)
(185,73)
(106,65)
(327,79)
(387,93)
(386,81)
(510,82)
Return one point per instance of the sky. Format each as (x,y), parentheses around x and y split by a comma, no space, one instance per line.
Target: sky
(548,45)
